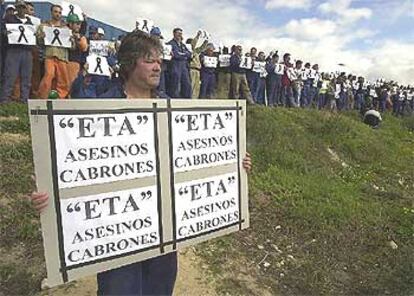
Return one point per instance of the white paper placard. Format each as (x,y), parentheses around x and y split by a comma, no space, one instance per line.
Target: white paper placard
(259,67)
(21,34)
(337,90)
(70,8)
(107,225)
(144,24)
(189,47)
(204,139)
(100,47)
(279,69)
(104,148)
(291,73)
(224,60)
(305,74)
(312,74)
(246,63)
(205,205)
(210,62)
(58,37)
(167,52)
(98,65)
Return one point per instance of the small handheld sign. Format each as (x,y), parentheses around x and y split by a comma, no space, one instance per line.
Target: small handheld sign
(259,67)
(246,63)
(98,65)
(70,8)
(58,37)
(167,52)
(224,60)
(279,69)
(210,62)
(100,47)
(20,34)
(144,25)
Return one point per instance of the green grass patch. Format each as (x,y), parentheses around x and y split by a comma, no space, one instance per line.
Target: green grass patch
(340,192)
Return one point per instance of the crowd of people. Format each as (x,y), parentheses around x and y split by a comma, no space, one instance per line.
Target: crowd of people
(195,68)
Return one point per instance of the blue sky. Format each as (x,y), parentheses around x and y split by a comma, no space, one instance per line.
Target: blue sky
(374,38)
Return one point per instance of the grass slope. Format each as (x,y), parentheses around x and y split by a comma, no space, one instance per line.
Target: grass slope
(328,195)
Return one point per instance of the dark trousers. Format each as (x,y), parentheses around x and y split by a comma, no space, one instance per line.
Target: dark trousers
(18,63)
(152,277)
(274,87)
(260,94)
(180,82)
(208,84)
(253,81)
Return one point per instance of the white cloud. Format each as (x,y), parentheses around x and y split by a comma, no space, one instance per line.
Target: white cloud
(396,10)
(292,4)
(343,9)
(311,28)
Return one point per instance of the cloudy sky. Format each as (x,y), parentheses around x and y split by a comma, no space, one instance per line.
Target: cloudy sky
(371,37)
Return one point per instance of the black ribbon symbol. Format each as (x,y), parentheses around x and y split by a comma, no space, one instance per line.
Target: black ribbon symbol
(22,35)
(98,65)
(72,9)
(145,26)
(56,38)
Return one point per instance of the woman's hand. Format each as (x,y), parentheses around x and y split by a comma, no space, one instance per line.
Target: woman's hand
(247,163)
(40,201)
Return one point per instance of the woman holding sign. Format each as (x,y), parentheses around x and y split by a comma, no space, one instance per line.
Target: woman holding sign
(140,67)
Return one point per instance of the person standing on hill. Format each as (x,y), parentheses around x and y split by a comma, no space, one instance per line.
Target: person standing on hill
(180,82)
(19,60)
(56,59)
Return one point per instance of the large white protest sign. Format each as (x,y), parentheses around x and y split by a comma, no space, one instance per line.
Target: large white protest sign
(144,25)
(101,47)
(246,62)
(130,180)
(89,155)
(107,225)
(207,204)
(21,34)
(58,37)
(70,8)
(204,139)
(210,62)
(224,60)
(98,65)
